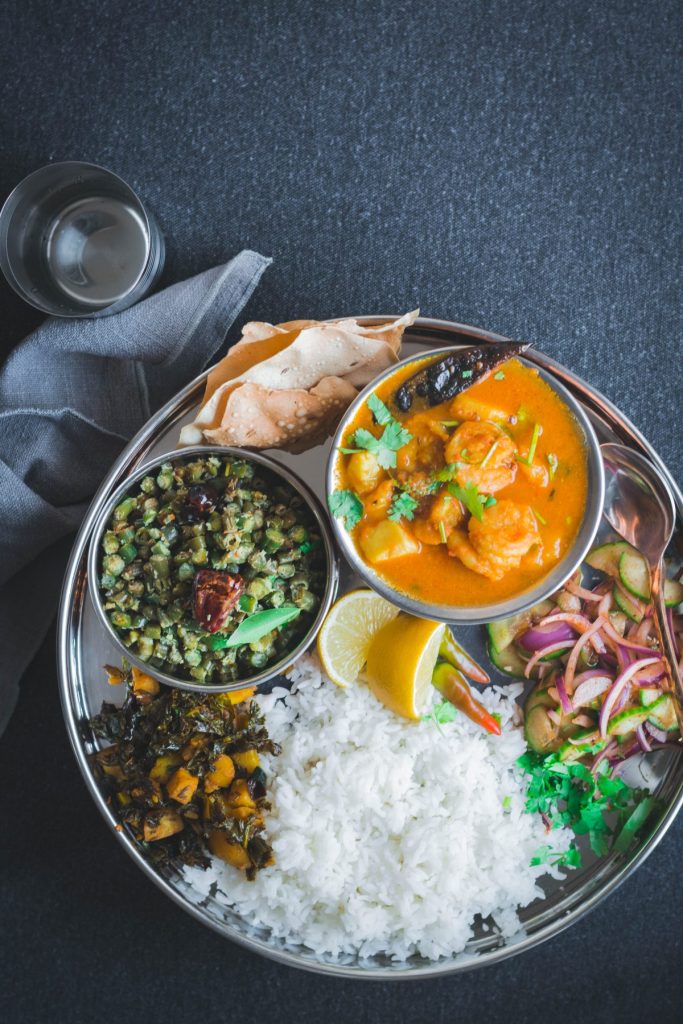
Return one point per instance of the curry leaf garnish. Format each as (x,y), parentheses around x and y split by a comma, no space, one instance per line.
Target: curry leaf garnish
(379,410)
(257,625)
(534,441)
(345,505)
(402,506)
(470,498)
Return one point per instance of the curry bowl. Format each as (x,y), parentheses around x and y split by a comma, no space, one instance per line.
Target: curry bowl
(422,577)
(198,542)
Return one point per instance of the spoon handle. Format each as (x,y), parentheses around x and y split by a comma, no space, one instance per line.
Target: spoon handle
(666,641)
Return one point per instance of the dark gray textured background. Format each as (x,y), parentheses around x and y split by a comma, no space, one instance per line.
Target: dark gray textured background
(511,165)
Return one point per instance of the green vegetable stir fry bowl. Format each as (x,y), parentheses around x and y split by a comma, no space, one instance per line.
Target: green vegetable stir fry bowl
(391,418)
(212,568)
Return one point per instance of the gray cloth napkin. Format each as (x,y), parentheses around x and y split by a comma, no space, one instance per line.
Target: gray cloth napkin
(71,395)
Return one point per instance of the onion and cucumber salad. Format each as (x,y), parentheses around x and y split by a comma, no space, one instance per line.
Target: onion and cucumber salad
(600,690)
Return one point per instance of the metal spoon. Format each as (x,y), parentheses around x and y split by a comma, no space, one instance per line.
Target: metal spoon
(640,507)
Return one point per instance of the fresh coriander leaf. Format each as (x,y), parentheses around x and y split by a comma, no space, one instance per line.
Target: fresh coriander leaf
(379,410)
(384,448)
(507,803)
(499,376)
(402,506)
(446,474)
(346,505)
(469,496)
(466,374)
(541,856)
(490,501)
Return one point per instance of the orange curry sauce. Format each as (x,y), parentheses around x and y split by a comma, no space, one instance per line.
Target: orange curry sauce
(516,399)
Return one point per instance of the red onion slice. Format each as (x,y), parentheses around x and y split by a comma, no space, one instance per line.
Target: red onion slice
(588,689)
(562,646)
(585,595)
(658,735)
(643,740)
(565,700)
(586,636)
(617,689)
(537,637)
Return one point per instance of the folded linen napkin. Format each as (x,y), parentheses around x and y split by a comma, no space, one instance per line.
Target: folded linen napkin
(71,395)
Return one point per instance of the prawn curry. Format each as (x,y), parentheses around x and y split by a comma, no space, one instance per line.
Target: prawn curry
(468,500)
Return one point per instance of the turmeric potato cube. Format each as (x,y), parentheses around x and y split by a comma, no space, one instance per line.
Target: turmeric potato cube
(387,540)
(161,824)
(182,786)
(248,759)
(164,766)
(194,744)
(237,696)
(467,407)
(231,852)
(220,774)
(364,472)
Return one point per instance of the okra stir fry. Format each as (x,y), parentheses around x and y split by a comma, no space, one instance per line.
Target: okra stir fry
(182,772)
(212,569)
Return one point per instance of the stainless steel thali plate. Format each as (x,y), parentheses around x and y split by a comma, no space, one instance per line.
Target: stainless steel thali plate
(84,647)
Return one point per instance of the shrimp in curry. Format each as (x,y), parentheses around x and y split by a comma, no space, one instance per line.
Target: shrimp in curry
(468,500)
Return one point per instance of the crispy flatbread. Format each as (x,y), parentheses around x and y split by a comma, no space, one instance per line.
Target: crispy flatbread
(286,385)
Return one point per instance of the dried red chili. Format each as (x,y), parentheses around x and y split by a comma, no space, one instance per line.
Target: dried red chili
(215,595)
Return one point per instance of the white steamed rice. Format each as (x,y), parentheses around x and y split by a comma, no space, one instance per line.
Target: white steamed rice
(389,835)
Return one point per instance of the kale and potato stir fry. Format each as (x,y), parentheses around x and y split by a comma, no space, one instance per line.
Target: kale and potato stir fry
(211,569)
(182,772)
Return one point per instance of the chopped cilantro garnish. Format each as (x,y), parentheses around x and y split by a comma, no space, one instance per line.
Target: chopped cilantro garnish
(507,803)
(552,463)
(442,532)
(534,441)
(489,453)
(569,794)
(499,376)
(542,521)
(449,423)
(445,475)
(470,497)
(466,373)
(402,506)
(379,410)
(346,505)
(490,501)
(440,714)
(384,448)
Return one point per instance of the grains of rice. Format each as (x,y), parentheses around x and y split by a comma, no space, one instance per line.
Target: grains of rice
(389,835)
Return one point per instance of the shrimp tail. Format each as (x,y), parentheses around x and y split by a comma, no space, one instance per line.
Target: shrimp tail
(447,377)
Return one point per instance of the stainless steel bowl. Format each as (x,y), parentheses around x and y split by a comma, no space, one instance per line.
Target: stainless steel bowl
(476,614)
(276,469)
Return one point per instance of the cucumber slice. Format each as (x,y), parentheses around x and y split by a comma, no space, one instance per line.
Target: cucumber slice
(673,593)
(648,697)
(507,661)
(619,620)
(627,721)
(572,752)
(634,574)
(662,714)
(541,734)
(606,557)
(627,606)
(503,632)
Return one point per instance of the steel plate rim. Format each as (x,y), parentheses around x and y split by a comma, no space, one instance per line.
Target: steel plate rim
(439,968)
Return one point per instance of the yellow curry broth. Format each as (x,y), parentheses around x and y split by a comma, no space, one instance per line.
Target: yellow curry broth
(518,401)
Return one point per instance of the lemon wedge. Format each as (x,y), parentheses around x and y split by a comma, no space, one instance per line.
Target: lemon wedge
(401,661)
(345,637)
